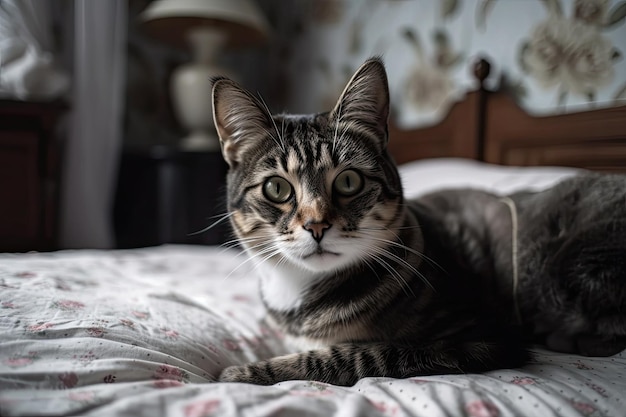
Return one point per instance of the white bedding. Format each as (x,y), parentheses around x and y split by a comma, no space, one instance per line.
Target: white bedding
(145,332)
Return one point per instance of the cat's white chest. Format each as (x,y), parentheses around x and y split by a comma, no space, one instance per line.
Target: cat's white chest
(284,286)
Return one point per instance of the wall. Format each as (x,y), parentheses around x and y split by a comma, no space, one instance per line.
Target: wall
(554,55)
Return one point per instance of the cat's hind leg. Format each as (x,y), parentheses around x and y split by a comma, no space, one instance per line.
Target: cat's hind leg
(589,304)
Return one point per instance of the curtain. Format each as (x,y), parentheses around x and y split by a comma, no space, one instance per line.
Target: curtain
(95,128)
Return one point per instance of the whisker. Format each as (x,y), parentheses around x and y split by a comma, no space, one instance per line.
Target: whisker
(337,128)
(389,255)
(248,241)
(271,247)
(269,113)
(269,253)
(220,220)
(282,131)
(394,274)
(398,259)
(388,229)
(241,241)
(423,277)
(407,248)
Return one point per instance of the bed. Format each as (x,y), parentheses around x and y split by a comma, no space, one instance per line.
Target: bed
(145,332)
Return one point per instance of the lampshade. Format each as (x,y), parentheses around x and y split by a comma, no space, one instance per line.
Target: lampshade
(170,20)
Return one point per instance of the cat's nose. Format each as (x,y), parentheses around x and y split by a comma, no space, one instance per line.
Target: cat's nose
(317,229)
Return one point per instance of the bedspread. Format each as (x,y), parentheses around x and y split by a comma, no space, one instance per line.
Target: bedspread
(145,332)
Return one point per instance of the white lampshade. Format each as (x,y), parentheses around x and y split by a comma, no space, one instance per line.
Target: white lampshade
(205,26)
(170,20)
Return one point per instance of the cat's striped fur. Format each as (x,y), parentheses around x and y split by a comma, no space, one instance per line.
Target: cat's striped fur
(342,269)
(375,285)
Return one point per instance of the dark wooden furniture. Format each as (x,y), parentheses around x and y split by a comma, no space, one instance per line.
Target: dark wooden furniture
(594,139)
(490,126)
(29,175)
(165,195)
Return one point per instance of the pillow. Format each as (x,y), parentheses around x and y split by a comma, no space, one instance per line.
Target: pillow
(424,176)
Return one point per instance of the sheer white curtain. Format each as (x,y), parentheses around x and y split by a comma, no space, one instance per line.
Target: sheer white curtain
(95,132)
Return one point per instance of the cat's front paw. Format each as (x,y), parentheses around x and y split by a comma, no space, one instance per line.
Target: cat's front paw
(244,374)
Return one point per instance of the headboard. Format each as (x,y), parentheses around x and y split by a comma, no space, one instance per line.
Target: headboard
(459,134)
(490,126)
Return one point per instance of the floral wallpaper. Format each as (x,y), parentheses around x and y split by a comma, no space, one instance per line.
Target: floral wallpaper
(554,55)
(569,52)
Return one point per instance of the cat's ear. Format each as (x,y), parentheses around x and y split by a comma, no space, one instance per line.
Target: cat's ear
(239,117)
(364,102)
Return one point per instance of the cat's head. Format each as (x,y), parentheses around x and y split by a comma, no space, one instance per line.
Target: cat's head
(317,191)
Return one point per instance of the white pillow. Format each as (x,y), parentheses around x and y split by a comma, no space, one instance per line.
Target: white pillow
(420,177)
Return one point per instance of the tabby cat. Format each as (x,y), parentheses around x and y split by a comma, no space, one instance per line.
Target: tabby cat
(370,284)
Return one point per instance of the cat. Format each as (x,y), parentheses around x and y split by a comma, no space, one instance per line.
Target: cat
(370,284)
(567,283)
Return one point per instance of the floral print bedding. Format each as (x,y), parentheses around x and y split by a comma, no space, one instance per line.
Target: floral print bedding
(145,332)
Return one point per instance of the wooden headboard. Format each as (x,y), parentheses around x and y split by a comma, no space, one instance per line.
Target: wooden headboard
(490,126)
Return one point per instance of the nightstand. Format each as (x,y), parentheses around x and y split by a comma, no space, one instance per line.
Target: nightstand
(30,155)
(166,195)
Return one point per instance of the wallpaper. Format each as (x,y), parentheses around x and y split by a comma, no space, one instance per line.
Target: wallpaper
(553,55)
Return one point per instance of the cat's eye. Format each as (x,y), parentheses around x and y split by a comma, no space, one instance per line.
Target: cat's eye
(348,183)
(277,189)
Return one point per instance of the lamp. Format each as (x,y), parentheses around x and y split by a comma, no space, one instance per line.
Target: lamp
(206,26)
